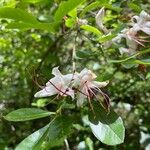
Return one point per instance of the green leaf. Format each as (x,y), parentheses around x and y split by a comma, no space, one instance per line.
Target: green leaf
(52,134)
(36,138)
(134,7)
(106,38)
(17,15)
(142,61)
(99,4)
(131,57)
(65,7)
(73,13)
(70,22)
(35,1)
(25,114)
(91,29)
(26,26)
(108,128)
(59,129)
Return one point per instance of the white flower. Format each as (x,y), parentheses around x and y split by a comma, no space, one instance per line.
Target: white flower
(132,41)
(99,20)
(141,23)
(82,84)
(87,85)
(57,85)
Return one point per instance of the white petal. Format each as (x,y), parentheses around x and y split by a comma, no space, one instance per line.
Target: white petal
(55,81)
(87,75)
(100,84)
(81,98)
(144,15)
(47,91)
(147,24)
(56,72)
(136,27)
(99,19)
(84,71)
(68,78)
(146,30)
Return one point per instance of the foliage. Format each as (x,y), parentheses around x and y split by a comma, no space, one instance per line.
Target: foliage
(38,35)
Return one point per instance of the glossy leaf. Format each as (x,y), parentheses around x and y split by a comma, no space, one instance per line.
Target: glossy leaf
(52,134)
(25,114)
(36,138)
(17,15)
(108,128)
(91,29)
(59,129)
(65,7)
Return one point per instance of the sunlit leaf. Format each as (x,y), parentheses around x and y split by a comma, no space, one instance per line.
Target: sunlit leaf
(35,1)
(17,15)
(135,7)
(108,128)
(91,29)
(99,4)
(65,7)
(106,38)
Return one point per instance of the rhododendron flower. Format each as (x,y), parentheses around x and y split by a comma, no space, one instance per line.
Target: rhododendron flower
(130,34)
(87,86)
(131,41)
(82,84)
(141,23)
(57,85)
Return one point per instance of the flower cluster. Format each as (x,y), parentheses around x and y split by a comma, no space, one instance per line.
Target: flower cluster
(131,33)
(82,85)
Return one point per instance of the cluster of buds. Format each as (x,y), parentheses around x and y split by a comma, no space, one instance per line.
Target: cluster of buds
(131,34)
(80,85)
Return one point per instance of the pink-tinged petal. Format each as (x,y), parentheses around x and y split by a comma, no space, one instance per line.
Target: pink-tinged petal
(84,72)
(100,84)
(47,91)
(87,75)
